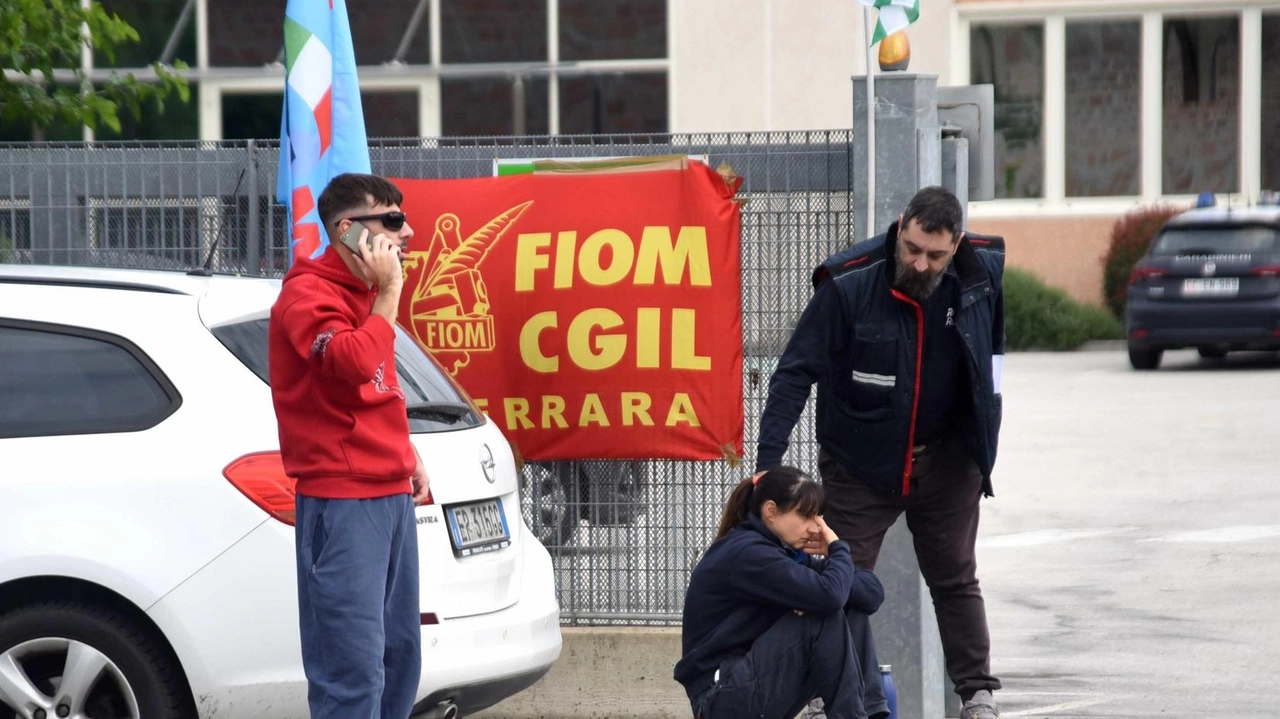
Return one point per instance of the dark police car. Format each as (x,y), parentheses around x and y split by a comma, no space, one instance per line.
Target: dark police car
(1211,280)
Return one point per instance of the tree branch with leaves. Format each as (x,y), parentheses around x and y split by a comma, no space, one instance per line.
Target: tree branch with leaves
(41,44)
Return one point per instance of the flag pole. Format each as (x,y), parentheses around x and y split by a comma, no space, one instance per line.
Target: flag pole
(867,25)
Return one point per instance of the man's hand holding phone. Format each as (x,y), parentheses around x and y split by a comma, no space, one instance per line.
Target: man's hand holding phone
(381,257)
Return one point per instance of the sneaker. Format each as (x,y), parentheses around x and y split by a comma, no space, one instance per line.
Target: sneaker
(814,710)
(981,706)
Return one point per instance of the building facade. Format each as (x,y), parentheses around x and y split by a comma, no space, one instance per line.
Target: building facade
(1101,105)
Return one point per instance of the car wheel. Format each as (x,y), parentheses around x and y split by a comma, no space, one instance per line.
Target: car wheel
(545,501)
(1212,352)
(72,659)
(1144,359)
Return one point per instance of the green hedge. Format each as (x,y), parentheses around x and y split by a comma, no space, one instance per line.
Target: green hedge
(1039,317)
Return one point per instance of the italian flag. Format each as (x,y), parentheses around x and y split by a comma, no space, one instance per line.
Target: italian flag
(309,72)
(894,15)
(322,126)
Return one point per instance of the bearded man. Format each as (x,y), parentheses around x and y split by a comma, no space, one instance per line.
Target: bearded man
(904,336)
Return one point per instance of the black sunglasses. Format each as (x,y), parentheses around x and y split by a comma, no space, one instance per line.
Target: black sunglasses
(391,220)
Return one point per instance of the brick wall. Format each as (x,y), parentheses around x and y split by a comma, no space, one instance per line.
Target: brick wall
(614,103)
(492,31)
(612,29)
(485,106)
(249,32)
(390,114)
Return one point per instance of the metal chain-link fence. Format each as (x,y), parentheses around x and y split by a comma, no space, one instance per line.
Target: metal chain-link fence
(623,536)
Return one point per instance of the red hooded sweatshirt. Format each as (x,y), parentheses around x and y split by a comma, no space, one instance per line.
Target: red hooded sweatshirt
(341,413)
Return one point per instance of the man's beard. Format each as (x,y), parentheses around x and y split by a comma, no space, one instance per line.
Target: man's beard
(917,285)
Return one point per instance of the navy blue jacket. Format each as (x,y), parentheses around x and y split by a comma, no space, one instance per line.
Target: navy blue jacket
(860,341)
(746,581)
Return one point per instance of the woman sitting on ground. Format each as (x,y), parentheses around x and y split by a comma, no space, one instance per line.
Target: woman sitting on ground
(776,613)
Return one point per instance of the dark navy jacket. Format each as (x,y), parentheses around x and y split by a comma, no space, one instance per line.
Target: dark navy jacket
(747,581)
(859,340)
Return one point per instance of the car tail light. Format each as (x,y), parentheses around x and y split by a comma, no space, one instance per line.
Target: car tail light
(1145,273)
(1266,271)
(260,476)
(1139,334)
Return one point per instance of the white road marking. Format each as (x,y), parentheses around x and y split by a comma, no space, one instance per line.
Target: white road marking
(1007,693)
(1056,708)
(1242,533)
(1046,536)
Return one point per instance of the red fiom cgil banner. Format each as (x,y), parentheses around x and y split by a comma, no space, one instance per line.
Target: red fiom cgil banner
(591,315)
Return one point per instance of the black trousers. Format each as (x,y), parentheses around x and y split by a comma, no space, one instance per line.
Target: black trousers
(801,657)
(942,514)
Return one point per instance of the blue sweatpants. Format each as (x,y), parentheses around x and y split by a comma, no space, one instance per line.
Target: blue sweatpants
(358,606)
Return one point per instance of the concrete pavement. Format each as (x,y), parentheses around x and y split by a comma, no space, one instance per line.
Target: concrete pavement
(1130,560)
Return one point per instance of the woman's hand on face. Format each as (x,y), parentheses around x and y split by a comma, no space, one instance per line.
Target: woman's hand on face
(814,545)
(828,535)
(819,542)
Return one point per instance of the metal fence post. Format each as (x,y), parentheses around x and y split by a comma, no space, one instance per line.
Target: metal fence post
(53,234)
(255,231)
(955,177)
(906,138)
(908,156)
(955,167)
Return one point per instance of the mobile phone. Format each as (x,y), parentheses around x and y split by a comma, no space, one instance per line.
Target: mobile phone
(351,238)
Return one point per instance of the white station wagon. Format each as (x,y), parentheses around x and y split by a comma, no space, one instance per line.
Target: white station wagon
(146,524)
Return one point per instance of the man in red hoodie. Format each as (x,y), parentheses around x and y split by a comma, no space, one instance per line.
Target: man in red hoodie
(344,437)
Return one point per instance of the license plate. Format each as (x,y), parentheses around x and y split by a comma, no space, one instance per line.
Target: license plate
(1211,287)
(478,527)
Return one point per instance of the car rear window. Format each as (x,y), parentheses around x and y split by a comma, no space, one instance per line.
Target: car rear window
(67,380)
(422,380)
(1216,241)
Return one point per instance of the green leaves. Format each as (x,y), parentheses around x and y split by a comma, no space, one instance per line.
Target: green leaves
(44,41)
(1039,317)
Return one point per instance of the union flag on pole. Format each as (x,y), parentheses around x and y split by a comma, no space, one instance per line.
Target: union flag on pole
(322,126)
(895,15)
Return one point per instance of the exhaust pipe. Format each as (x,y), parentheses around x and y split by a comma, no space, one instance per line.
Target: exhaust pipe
(444,710)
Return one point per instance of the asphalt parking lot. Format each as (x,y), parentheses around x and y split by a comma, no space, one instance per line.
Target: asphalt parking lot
(1131,557)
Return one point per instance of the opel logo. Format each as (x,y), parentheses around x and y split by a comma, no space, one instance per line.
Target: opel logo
(1209,269)
(487,464)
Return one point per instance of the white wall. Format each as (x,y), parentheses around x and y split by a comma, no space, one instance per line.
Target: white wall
(780,64)
(931,40)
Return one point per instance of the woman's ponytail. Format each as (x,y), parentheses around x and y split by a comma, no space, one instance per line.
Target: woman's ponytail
(787,487)
(735,510)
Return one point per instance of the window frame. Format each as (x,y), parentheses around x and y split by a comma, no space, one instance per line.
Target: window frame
(1151,17)
(423,78)
(142,423)
(212,81)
